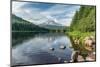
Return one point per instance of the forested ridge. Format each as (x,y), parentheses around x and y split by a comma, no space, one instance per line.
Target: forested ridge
(84,19)
(19,24)
(83,28)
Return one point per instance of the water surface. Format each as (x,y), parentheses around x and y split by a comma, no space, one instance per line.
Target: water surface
(38,50)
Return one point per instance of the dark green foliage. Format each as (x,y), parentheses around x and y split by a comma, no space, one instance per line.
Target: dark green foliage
(18,24)
(19,37)
(23,30)
(84,19)
(82,26)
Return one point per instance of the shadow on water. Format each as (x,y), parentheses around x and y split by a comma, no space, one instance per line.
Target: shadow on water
(19,37)
(40,48)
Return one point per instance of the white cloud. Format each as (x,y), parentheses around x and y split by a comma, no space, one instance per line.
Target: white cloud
(38,16)
(60,9)
(57,9)
(65,22)
(16,6)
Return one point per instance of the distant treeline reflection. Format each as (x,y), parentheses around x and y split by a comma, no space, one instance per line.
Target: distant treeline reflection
(18,37)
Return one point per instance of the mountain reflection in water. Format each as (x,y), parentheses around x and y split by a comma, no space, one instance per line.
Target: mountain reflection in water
(38,50)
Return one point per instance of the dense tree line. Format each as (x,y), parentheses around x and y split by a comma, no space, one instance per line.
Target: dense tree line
(19,24)
(84,19)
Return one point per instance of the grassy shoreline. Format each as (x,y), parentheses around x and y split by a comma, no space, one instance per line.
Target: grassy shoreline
(80,35)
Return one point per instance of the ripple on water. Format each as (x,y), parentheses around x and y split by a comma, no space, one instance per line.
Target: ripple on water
(37,51)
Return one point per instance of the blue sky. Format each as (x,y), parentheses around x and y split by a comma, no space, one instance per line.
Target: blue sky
(41,12)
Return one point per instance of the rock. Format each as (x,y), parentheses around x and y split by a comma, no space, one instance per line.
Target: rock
(76,57)
(80,58)
(91,57)
(65,61)
(89,43)
(76,41)
(51,48)
(62,47)
(89,48)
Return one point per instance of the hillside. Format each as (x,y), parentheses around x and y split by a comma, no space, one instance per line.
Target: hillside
(19,24)
(84,19)
(83,26)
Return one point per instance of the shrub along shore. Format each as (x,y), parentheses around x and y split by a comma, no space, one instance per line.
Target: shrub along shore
(82,34)
(82,45)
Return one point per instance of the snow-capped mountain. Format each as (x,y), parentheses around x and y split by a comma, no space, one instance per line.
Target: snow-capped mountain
(44,21)
(51,24)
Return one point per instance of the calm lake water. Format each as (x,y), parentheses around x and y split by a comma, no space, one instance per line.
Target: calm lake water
(42,49)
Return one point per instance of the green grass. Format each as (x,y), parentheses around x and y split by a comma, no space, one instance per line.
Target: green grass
(80,35)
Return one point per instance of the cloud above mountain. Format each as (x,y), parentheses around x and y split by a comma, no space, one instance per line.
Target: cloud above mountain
(38,13)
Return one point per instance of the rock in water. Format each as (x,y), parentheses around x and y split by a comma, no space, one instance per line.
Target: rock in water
(91,57)
(62,47)
(51,48)
(65,61)
(80,58)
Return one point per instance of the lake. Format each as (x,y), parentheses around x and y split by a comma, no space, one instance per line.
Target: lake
(42,48)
